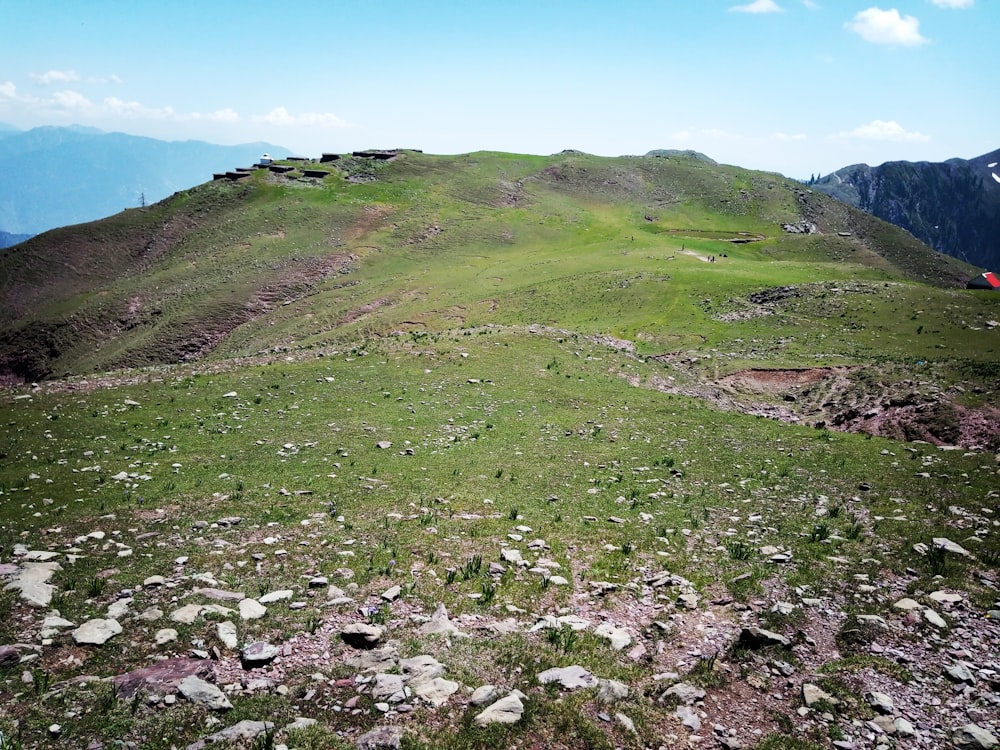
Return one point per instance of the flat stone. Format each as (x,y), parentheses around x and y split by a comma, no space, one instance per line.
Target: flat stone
(381,738)
(118,609)
(96,632)
(421,668)
(881,702)
(31,582)
(484,694)
(619,637)
(227,634)
(960,673)
(611,691)
(219,595)
(244,730)
(165,636)
(187,614)
(154,581)
(436,691)
(276,596)
(934,618)
(258,654)
(906,604)
(163,676)
(392,593)
(203,693)
(251,609)
(684,693)
(945,597)
(376,660)
(507,710)
(439,624)
(361,635)
(949,546)
(813,694)
(571,678)
(688,717)
(390,688)
(973,737)
(754,637)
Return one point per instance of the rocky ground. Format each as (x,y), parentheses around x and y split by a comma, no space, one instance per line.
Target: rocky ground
(865,663)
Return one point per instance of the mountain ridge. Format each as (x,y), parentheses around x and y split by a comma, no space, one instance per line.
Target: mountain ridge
(953,206)
(61,176)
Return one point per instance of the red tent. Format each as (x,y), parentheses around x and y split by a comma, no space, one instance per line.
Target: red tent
(988,280)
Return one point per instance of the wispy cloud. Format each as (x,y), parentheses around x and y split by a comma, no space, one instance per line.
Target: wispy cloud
(788,136)
(55,76)
(757,6)
(8,90)
(886,27)
(882,130)
(954,3)
(51,77)
(281,116)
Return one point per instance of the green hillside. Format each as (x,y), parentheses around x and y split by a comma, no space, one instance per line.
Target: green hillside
(357,459)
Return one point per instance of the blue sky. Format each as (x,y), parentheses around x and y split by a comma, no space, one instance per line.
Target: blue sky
(793,86)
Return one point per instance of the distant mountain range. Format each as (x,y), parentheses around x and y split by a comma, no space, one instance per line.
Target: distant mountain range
(56,176)
(7,239)
(953,206)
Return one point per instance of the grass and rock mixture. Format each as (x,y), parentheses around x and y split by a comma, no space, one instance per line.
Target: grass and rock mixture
(619,500)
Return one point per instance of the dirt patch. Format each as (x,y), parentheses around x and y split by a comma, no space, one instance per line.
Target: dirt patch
(776,381)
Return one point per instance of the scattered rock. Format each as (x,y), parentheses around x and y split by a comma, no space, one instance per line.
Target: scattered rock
(813,694)
(164,636)
(571,678)
(507,710)
(952,547)
(684,693)
(361,635)
(754,637)
(203,693)
(973,737)
(251,609)
(688,717)
(381,738)
(611,691)
(164,675)
(96,632)
(227,634)
(483,695)
(258,654)
(881,702)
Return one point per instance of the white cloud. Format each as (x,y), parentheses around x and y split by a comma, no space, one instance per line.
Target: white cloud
(220,115)
(954,3)
(71,100)
(810,4)
(137,110)
(281,116)
(788,137)
(8,90)
(882,130)
(757,6)
(55,76)
(886,27)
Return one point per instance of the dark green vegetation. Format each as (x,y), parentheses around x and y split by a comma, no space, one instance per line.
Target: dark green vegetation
(396,372)
(953,206)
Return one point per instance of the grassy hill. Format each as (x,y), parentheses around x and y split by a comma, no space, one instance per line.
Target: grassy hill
(511,413)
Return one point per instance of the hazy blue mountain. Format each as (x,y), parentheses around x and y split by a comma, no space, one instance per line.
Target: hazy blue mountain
(55,176)
(7,239)
(953,206)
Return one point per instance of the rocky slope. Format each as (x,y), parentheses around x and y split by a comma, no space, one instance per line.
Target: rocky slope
(953,206)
